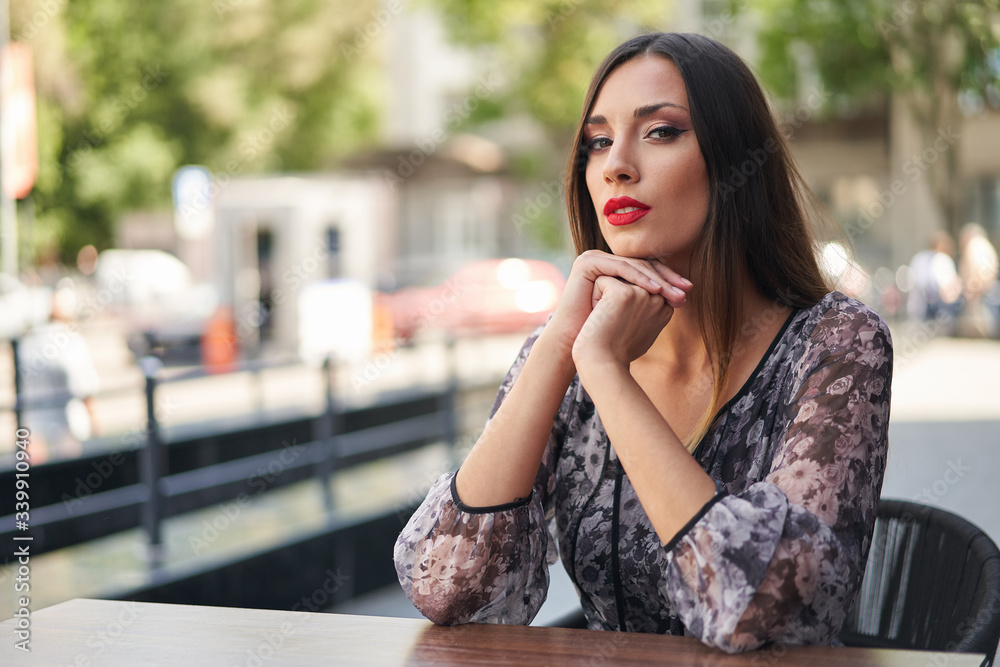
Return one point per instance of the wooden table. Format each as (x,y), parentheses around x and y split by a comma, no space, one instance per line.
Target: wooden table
(110,633)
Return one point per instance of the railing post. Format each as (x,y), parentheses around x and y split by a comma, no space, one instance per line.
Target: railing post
(326,430)
(152,464)
(258,382)
(18,382)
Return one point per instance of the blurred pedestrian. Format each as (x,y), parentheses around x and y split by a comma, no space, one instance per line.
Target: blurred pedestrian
(58,382)
(977,269)
(935,288)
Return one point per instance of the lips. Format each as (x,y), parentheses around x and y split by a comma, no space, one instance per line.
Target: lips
(624,210)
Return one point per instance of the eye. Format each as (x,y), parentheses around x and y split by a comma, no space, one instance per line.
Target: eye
(665,132)
(596,144)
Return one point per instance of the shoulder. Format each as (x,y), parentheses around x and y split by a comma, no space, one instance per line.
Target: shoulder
(840,319)
(839,326)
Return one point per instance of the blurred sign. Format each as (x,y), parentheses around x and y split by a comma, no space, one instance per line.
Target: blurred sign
(335,318)
(18,129)
(194,210)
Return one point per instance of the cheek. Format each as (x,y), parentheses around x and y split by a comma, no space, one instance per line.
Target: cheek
(692,187)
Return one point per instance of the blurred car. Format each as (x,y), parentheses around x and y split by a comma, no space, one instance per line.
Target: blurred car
(165,311)
(485,297)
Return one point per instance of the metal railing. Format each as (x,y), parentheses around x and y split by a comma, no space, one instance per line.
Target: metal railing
(340,436)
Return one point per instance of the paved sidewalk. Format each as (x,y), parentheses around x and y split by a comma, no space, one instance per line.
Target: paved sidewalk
(945,379)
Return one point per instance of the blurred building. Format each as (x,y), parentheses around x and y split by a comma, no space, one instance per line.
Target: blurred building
(871,169)
(384,223)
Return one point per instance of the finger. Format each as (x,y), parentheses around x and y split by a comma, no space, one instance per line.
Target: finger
(604,285)
(637,272)
(674,295)
(671,276)
(601,286)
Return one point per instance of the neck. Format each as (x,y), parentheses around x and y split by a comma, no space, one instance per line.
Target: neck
(680,345)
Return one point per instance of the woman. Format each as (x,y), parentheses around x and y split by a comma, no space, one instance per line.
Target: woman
(701,422)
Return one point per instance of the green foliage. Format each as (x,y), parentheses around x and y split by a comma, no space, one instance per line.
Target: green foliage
(862,50)
(549,48)
(939,57)
(129,91)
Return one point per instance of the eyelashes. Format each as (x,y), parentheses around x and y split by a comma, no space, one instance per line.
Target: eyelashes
(669,130)
(661,133)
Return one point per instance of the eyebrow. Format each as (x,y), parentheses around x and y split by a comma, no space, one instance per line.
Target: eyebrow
(640,112)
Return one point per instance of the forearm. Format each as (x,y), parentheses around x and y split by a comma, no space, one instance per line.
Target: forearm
(460,568)
(670,484)
(504,462)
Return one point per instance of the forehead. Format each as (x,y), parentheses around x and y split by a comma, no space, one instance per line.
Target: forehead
(642,80)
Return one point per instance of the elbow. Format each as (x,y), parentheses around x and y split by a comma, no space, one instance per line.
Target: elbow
(442,602)
(429,600)
(434,594)
(438,609)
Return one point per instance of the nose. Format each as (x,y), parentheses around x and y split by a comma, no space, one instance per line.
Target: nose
(620,165)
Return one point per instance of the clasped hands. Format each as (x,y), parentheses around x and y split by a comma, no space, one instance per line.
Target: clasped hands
(613,308)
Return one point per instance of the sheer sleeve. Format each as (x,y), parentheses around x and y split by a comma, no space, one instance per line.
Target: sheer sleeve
(459,564)
(782,560)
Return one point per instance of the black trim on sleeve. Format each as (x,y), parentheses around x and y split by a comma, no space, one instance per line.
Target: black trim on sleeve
(615,566)
(720,493)
(514,504)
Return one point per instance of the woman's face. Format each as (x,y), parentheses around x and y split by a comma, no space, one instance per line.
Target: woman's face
(645,171)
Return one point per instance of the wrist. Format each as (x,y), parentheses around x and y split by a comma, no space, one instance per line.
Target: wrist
(600,367)
(557,349)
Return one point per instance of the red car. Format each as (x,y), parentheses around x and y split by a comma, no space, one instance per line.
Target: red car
(490,296)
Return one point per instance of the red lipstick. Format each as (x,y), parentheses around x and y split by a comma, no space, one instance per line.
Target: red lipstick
(629,210)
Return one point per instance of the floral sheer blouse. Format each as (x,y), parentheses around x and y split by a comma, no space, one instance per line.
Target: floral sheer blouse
(798,457)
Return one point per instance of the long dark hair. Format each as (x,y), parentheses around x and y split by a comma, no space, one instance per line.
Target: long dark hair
(758,201)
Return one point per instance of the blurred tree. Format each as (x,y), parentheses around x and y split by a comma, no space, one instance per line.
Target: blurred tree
(548,49)
(129,91)
(940,58)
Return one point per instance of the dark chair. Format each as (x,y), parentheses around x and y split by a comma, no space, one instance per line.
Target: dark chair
(932,583)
